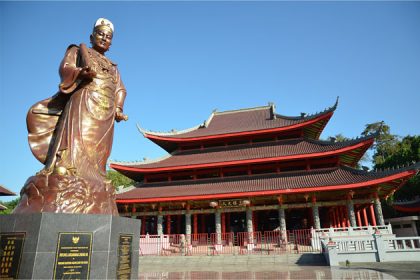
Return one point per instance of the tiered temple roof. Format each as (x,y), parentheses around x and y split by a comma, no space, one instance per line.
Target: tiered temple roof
(293,160)
(349,153)
(242,123)
(337,178)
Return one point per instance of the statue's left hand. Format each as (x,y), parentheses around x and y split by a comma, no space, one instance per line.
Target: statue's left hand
(119,116)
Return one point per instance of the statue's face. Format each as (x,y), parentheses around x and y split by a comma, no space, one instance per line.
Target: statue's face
(101,39)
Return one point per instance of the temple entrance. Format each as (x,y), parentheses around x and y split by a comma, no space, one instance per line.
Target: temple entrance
(236,222)
(266,220)
(298,219)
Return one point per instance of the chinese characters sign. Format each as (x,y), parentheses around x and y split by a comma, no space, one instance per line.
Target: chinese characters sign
(124,256)
(231,203)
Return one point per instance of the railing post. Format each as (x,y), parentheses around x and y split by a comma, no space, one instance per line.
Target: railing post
(380,246)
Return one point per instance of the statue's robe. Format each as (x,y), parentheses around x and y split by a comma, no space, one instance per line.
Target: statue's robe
(74,128)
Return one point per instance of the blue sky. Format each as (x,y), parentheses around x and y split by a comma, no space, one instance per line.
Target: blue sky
(181,60)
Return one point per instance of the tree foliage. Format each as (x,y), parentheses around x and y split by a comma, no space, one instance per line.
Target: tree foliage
(385,144)
(118,180)
(10,206)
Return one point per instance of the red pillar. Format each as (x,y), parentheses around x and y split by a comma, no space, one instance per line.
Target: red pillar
(346,214)
(168,224)
(334,214)
(228,222)
(365,219)
(202,223)
(195,224)
(359,220)
(178,224)
(254,221)
(340,217)
(223,222)
(372,215)
(143,225)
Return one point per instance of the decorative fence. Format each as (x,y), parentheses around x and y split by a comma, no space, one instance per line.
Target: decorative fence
(374,248)
(266,243)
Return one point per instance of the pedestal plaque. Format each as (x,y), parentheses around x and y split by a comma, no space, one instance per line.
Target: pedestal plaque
(11,245)
(73,255)
(51,239)
(125,250)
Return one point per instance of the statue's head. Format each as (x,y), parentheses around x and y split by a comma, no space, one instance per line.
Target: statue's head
(101,37)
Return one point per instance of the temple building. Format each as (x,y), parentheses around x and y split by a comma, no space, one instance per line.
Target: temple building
(252,170)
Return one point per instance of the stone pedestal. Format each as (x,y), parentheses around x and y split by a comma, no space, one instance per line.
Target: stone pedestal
(73,246)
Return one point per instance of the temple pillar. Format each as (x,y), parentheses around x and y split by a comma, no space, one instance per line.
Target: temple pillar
(143,225)
(340,217)
(168,224)
(378,211)
(203,223)
(315,214)
(218,226)
(372,215)
(188,227)
(159,225)
(178,224)
(228,222)
(334,216)
(365,218)
(359,220)
(195,224)
(249,225)
(254,221)
(282,222)
(350,212)
(223,222)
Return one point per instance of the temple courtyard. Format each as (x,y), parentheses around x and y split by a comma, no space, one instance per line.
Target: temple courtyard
(287,266)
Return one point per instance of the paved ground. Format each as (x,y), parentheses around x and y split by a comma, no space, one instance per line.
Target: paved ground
(289,266)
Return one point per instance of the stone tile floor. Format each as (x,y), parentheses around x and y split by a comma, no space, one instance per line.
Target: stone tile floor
(268,267)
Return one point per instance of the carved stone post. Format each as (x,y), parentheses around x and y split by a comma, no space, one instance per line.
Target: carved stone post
(250,228)
(282,220)
(378,211)
(188,227)
(350,211)
(160,224)
(315,213)
(218,226)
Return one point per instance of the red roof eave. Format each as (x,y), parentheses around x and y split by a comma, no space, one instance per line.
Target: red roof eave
(366,143)
(397,176)
(234,134)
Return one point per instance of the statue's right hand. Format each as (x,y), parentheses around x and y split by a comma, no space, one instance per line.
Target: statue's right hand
(87,73)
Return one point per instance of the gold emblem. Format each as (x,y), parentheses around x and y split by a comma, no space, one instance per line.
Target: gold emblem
(75,239)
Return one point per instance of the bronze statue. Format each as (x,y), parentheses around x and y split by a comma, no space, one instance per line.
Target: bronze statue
(71,133)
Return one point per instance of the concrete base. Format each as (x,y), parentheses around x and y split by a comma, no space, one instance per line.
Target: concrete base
(108,242)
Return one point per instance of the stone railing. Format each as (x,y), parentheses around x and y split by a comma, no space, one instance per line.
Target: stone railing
(348,232)
(374,248)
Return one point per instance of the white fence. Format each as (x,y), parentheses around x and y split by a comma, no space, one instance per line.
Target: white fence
(375,248)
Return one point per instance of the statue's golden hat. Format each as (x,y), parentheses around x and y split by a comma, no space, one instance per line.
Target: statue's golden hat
(103,22)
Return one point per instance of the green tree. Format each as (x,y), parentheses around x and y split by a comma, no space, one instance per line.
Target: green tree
(10,206)
(385,144)
(117,179)
(406,151)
